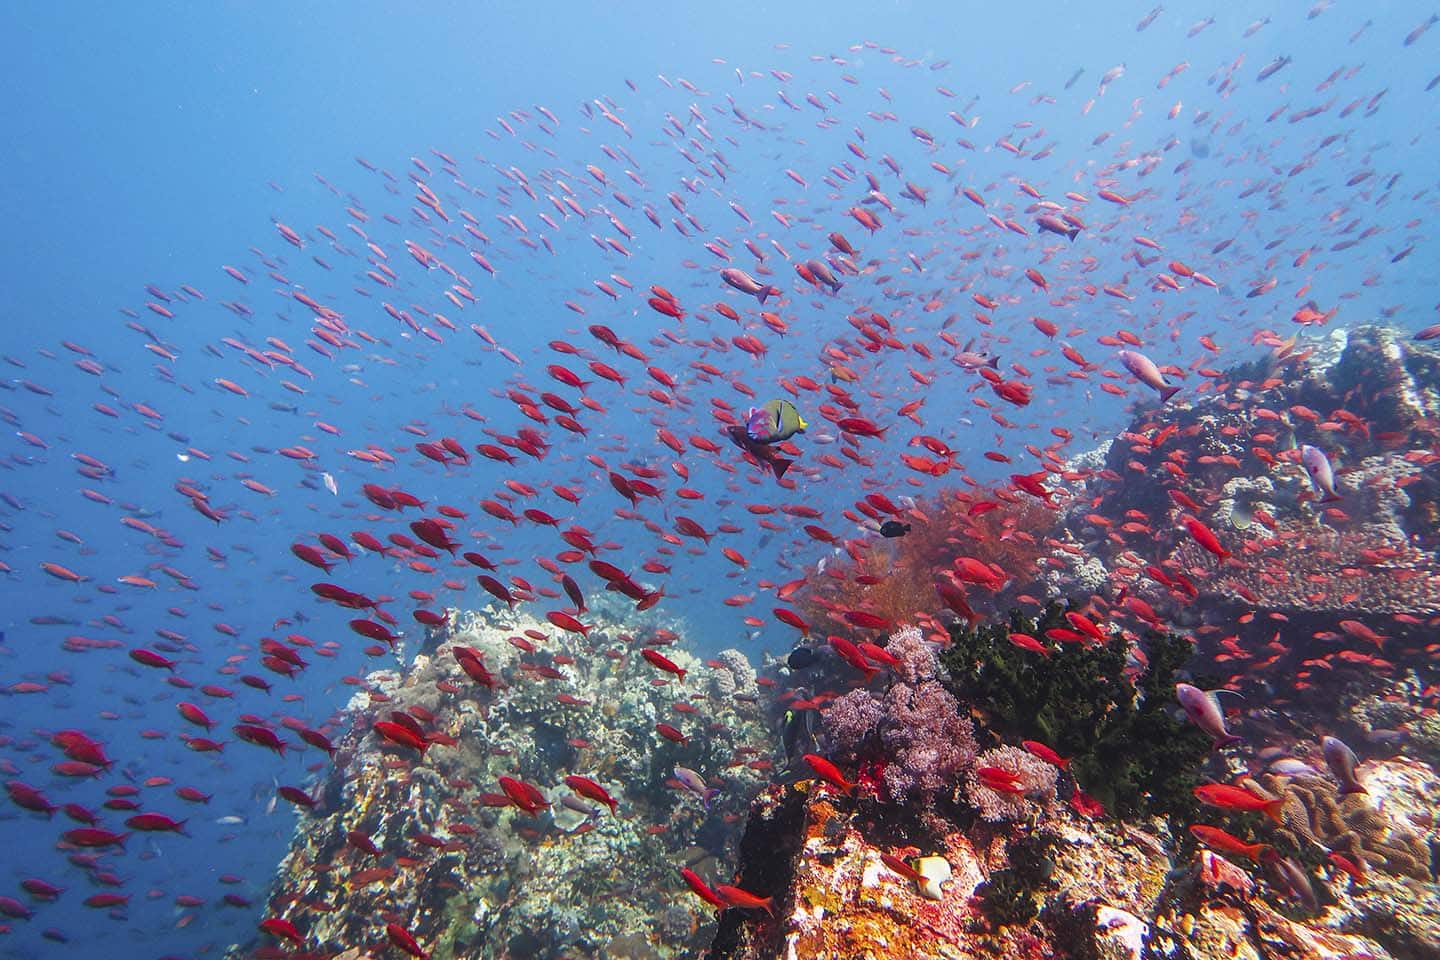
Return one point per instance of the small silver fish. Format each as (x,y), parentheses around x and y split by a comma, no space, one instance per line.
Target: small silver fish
(572,802)
(1290,767)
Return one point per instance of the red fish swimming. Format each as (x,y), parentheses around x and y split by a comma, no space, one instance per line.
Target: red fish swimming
(828,772)
(1228,797)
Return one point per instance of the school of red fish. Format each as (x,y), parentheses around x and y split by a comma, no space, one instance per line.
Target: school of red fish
(488,376)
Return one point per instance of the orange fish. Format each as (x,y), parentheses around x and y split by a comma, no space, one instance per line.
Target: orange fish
(1217,839)
(828,772)
(744,899)
(1229,797)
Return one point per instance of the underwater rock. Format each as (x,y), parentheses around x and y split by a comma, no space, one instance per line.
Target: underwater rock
(1211,912)
(465,871)
(840,901)
(1076,888)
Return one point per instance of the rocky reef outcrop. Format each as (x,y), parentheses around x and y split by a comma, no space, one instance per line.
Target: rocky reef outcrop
(1064,887)
(430,840)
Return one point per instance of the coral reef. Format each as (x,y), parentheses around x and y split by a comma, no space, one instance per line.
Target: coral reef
(1315,812)
(1397,715)
(1034,786)
(428,839)
(1304,565)
(899,584)
(916,732)
(734,675)
(1369,399)
(1126,746)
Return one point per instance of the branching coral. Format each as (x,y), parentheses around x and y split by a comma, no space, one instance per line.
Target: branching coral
(916,655)
(896,579)
(1127,748)
(1315,812)
(850,721)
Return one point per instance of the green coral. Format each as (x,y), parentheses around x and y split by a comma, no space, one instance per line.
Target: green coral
(1007,899)
(1127,747)
(1009,895)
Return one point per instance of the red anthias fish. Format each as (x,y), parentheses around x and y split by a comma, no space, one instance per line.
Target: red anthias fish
(523,795)
(662,662)
(828,772)
(1000,780)
(1229,797)
(744,899)
(1217,839)
(586,787)
(702,889)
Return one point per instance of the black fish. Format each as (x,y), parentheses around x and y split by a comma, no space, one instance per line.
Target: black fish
(797,733)
(894,528)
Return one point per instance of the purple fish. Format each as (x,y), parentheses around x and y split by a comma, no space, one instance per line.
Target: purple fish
(1341,761)
(1057,226)
(1322,476)
(695,785)
(1146,372)
(1203,709)
(745,283)
(1291,877)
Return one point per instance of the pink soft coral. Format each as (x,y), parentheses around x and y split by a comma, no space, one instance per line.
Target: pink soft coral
(1034,777)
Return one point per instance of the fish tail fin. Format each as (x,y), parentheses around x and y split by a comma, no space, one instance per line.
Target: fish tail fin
(779,465)
(1333,498)
(1226,741)
(1167,393)
(1272,810)
(1072,233)
(994,362)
